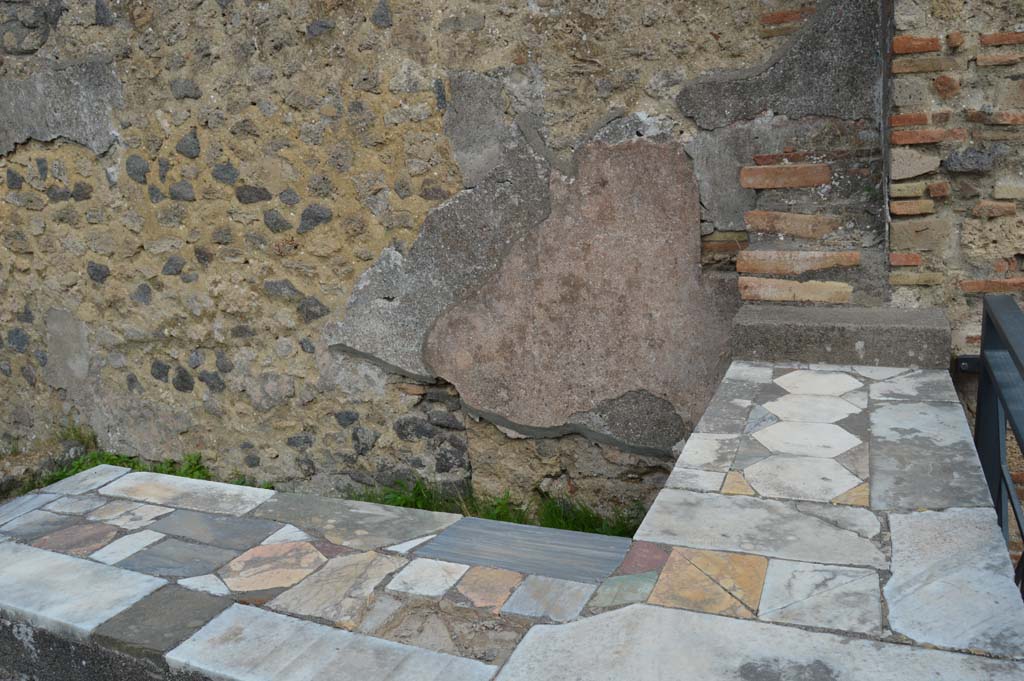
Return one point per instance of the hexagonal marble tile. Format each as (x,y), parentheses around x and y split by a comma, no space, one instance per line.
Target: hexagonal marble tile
(811,408)
(807,382)
(821,440)
(800,477)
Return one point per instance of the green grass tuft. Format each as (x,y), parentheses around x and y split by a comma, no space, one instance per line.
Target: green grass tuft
(558,513)
(567,514)
(83,435)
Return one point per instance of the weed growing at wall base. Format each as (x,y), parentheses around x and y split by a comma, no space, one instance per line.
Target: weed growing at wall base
(554,512)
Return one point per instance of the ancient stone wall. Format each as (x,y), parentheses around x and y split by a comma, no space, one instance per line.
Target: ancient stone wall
(331,243)
(957,137)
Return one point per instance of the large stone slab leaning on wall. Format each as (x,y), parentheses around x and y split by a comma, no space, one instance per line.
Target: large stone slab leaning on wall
(555,303)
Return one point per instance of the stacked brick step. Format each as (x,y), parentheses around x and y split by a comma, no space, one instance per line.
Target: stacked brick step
(808,234)
(957,174)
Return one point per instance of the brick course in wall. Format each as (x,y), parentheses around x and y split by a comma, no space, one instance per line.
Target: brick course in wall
(957,146)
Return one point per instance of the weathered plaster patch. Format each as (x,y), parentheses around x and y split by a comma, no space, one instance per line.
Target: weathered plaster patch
(73,101)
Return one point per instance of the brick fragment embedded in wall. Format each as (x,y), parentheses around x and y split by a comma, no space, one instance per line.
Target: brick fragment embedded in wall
(923,64)
(928,136)
(946,86)
(1006,38)
(999,59)
(799,225)
(955,40)
(787,176)
(789,291)
(724,242)
(994,209)
(788,156)
(906,120)
(992,285)
(787,16)
(939,190)
(794,262)
(905,259)
(912,44)
(920,234)
(912,207)
(996,117)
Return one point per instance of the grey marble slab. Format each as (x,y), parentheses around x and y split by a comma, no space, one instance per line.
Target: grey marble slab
(21,505)
(88,480)
(227,532)
(575,556)
(36,524)
(175,558)
(160,621)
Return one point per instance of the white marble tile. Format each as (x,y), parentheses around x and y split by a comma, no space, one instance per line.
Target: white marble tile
(288,533)
(128,545)
(825,596)
(88,480)
(777,529)
(559,600)
(648,643)
(812,408)
(196,495)
(709,451)
(210,584)
(822,440)
(246,643)
(879,373)
(427,577)
(807,382)
(749,372)
(406,547)
(920,386)
(952,582)
(128,515)
(66,595)
(800,477)
(695,479)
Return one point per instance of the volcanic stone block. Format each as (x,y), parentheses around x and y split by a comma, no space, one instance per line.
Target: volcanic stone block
(874,336)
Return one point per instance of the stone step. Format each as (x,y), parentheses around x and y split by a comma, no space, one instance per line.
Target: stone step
(849,335)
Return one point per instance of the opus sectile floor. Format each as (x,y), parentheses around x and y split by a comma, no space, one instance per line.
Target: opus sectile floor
(821,523)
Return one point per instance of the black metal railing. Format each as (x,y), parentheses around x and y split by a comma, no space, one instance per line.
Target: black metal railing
(1001,400)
